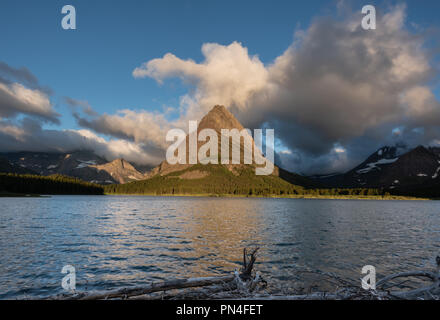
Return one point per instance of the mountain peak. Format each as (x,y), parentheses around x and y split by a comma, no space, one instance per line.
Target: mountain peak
(118,160)
(122,163)
(219,118)
(120,170)
(386,152)
(220,108)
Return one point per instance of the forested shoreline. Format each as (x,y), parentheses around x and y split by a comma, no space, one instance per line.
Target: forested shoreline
(220,182)
(11,183)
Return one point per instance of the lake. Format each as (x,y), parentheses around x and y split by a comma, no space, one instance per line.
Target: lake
(115,241)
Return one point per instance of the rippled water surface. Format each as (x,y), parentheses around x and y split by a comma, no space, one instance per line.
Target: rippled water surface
(119,241)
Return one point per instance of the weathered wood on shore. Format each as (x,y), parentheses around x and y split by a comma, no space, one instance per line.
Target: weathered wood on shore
(383,290)
(243,280)
(243,285)
(154,287)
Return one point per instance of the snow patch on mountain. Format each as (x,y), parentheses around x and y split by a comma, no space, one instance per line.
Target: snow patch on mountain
(84,164)
(436,172)
(374,165)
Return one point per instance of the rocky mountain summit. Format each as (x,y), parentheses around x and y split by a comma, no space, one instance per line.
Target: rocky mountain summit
(216,119)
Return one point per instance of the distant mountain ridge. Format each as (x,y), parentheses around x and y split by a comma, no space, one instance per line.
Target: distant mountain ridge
(399,170)
(391,169)
(7,167)
(81,164)
(89,167)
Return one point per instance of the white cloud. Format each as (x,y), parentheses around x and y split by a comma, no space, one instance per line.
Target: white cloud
(15,98)
(29,136)
(141,127)
(335,84)
(228,76)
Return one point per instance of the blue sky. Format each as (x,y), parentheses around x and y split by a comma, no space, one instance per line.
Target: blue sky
(95,62)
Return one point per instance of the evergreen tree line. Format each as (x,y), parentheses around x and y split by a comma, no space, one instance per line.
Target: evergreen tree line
(55,184)
(221,181)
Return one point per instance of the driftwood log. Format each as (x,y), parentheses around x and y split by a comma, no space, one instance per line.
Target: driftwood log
(247,284)
(242,282)
(351,291)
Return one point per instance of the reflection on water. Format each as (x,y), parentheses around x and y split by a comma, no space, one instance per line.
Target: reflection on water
(119,241)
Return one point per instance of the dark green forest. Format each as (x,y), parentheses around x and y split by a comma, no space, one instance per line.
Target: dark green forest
(218,181)
(55,184)
(221,181)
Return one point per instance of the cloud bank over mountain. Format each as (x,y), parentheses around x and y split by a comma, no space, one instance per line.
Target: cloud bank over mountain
(336,84)
(335,94)
(24,109)
(28,135)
